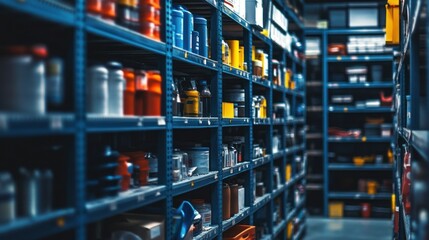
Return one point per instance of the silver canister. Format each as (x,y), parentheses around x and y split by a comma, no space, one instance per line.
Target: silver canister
(97,90)
(116,83)
(7,198)
(225,155)
(199,158)
(28,193)
(177,165)
(22,82)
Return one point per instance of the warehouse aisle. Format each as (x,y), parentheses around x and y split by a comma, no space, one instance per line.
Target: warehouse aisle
(351,229)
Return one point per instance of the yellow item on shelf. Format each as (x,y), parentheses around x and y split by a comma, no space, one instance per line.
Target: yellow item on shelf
(265,32)
(241,61)
(263,108)
(392,22)
(234,50)
(253,53)
(393,202)
(289,230)
(390,156)
(261,57)
(227,110)
(361,160)
(191,103)
(372,187)
(288,172)
(288,78)
(336,209)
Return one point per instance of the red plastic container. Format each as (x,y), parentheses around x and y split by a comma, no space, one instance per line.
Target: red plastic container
(122,170)
(366,210)
(141,91)
(139,158)
(152,98)
(94,6)
(129,91)
(109,9)
(150,30)
(150,13)
(154,3)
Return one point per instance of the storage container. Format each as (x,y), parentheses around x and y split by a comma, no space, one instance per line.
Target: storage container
(336,209)
(152,99)
(129,91)
(116,87)
(97,90)
(372,187)
(141,89)
(255,13)
(199,157)
(234,46)
(372,130)
(386,130)
(240,232)
(363,17)
(337,18)
(352,211)
(188,27)
(226,202)
(177,21)
(227,110)
(195,42)
(200,25)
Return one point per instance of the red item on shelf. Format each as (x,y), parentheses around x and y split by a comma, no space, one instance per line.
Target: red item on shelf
(366,210)
(152,98)
(150,30)
(386,100)
(129,91)
(141,91)
(139,158)
(406,181)
(94,6)
(122,170)
(150,13)
(109,9)
(396,221)
(154,3)
(336,49)
(338,132)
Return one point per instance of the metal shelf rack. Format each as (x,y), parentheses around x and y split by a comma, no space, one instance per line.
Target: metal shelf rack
(78,217)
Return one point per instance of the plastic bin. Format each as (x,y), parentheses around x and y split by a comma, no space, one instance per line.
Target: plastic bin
(240,232)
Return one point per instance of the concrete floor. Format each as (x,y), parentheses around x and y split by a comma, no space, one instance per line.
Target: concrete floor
(350,229)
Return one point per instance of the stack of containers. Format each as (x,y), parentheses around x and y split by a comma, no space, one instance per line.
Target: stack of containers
(150,18)
(190,33)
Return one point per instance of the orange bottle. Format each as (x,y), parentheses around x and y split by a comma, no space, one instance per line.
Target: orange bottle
(122,170)
(141,90)
(152,98)
(109,9)
(129,91)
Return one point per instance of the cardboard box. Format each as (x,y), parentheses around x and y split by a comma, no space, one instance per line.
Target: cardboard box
(148,227)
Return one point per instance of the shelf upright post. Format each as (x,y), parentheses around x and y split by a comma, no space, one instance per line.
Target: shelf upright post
(80,120)
(284,194)
(325,122)
(414,74)
(271,132)
(216,133)
(167,71)
(248,91)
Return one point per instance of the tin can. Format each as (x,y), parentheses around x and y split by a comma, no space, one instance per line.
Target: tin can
(199,157)
(97,90)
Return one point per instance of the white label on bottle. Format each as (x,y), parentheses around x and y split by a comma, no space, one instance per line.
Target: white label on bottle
(155,232)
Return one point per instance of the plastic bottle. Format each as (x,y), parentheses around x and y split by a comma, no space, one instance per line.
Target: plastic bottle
(116,87)
(178,30)
(188,27)
(141,86)
(205,96)
(152,99)
(200,25)
(129,91)
(97,90)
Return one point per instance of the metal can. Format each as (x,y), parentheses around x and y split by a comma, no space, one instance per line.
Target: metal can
(97,90)
(199,157)
(116,83)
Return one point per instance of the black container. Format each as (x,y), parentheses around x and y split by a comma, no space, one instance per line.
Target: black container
(352,211)
(381,212)
(372,130)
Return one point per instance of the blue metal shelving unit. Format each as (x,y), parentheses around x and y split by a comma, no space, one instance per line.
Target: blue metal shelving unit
(81,212)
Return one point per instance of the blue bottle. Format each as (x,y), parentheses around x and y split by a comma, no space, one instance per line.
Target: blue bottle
(188,27)
(178,28)
(201,28)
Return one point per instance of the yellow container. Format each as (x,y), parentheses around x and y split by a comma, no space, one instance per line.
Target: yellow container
(253,53)
(234,49)
(241,61)
(263,108)
(288,172)
(393,202)
(392,22)
(336,209)
(289,230)
(288,78)
(191,104)
(372,187)
(227,110)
